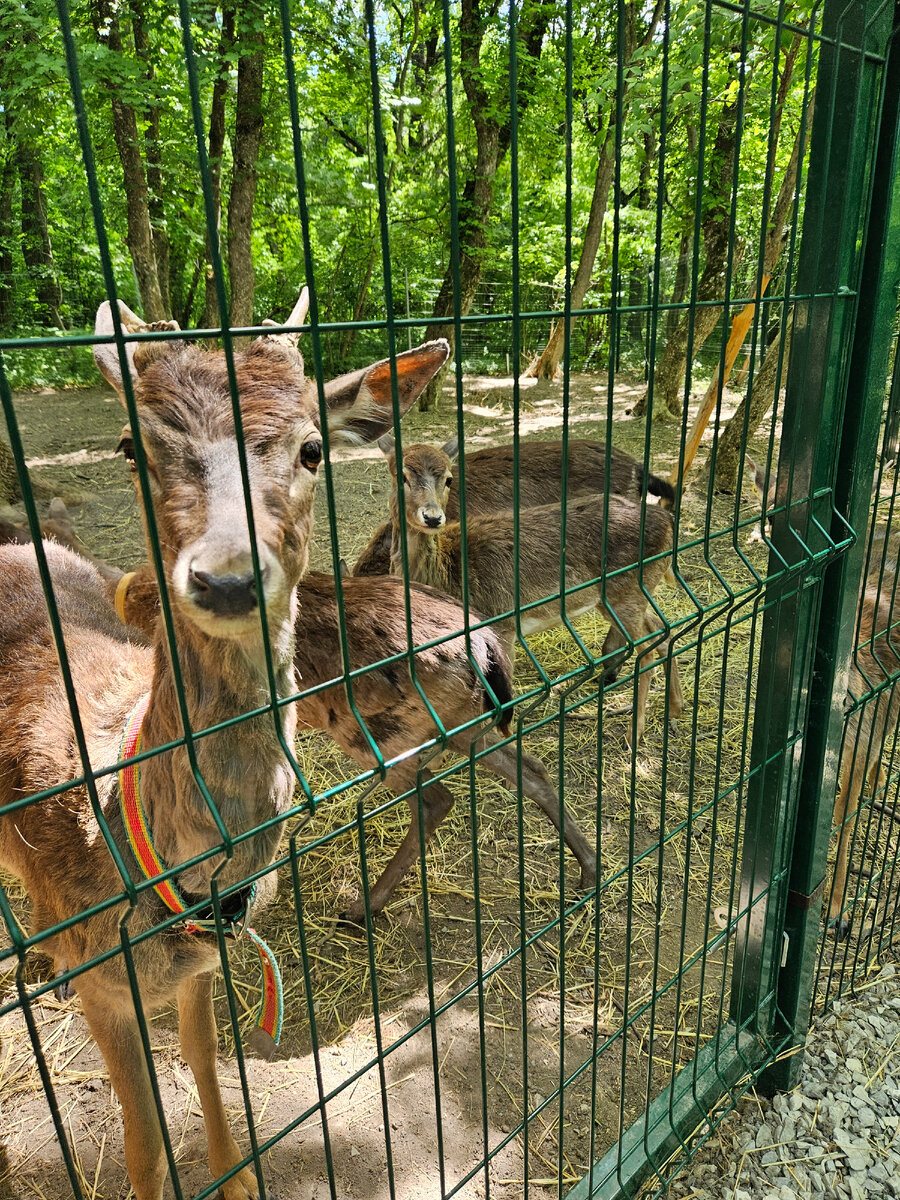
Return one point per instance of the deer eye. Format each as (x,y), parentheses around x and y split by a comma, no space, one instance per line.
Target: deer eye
(448,482)
(406,479)
(311,455)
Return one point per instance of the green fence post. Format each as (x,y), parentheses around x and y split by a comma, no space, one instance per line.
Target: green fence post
(832,410)
(868,369)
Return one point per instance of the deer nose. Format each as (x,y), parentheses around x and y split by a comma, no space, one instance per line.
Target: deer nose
(434,520)
(224,595)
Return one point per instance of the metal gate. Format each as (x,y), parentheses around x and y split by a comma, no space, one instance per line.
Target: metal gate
(496,1031)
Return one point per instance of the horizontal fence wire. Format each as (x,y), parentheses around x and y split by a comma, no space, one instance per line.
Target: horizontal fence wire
(514,1006)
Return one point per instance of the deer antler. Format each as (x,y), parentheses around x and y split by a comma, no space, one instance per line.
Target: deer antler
(297,317)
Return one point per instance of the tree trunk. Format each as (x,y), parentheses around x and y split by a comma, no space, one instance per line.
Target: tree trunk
(637,276)
(153,150)
(7,239)
(474,210)
(211,316)
(679,287)
(670,370)
(492,142)
(125,130)
(730,446)
(741,322)
(248,133)
(9,480)
(548,362)
(36,248)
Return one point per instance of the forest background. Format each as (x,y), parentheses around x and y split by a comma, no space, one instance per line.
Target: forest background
(664,181)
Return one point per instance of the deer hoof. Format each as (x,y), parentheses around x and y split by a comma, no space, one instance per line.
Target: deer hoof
(588,877)
(353,918)
(841,928)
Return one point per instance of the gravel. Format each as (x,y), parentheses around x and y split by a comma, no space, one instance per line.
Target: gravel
(837,1135)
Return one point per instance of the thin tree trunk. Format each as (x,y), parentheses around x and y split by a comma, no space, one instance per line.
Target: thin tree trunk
(548,362)
(637,278)
(703,319)
(492,141)
(7,238)
(741,322)
(545,367)
(153,150)
(36,248)
(730,445)
(127,138)
(216,148)
(9,480)
(248,133)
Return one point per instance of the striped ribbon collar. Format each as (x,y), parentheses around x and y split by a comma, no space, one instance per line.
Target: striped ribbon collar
(235,909)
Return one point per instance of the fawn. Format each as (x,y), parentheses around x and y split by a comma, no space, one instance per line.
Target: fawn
(388,701)
(435,552)
(57,845)
(490,476)
(875,667)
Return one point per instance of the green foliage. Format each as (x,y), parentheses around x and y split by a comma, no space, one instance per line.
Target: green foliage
(341,141)
(51,366)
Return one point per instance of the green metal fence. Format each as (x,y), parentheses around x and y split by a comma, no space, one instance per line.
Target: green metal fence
(496,1031)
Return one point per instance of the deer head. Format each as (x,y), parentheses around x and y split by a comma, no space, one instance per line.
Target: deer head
(427,479)
(187,427)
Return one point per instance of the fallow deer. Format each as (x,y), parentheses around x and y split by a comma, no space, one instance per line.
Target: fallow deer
(436,548)
(874,691)
(490,478)
(56,527)
(57,845)
(391,706)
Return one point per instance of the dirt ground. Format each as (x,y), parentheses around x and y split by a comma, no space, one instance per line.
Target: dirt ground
(453,1091)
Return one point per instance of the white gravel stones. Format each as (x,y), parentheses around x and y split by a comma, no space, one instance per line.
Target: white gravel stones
(837,1136)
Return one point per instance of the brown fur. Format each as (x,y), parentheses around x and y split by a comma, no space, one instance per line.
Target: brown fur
(388,701)
(435,557)
(874,667)
(57,527)
(56,845)
(489,485)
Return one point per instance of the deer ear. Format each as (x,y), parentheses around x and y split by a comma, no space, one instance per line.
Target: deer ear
(359,404)
(106,356)
(451,448)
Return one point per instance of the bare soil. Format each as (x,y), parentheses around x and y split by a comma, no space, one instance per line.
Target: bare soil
(619,990)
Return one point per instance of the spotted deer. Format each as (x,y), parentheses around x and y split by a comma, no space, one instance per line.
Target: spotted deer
(436,547)
(490,476)
(874,691)
(57,845)
(387,699)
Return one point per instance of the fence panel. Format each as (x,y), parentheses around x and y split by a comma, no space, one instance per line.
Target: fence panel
(497,1025)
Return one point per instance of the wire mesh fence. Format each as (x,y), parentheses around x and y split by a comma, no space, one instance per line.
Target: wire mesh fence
(547,776)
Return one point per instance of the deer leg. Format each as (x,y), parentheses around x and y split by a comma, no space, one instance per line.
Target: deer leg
(115,1030)
(537,786)
(676,696)
(437,801)
(199,1041)
(845,808)
(616,645)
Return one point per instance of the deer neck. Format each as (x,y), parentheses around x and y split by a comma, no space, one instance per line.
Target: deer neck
(244,767)
(423,552)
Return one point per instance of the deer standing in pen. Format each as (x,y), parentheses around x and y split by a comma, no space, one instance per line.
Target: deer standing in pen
(56,845)
(490,475)
(388,701)
(435,550)
(874,668)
